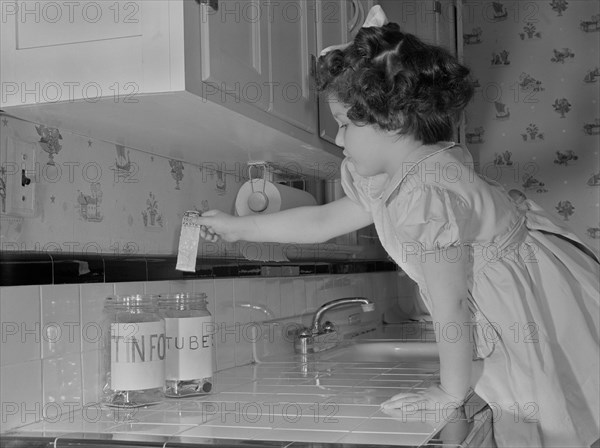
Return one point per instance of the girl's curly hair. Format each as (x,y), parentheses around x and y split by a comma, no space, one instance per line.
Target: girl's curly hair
(395,81)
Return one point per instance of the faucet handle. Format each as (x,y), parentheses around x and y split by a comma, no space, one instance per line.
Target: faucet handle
(304,333)
(328,327)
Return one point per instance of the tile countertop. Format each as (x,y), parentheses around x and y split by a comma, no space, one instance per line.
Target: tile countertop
(284,402)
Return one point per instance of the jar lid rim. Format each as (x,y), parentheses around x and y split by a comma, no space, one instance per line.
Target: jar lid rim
(132,299)
(182,295)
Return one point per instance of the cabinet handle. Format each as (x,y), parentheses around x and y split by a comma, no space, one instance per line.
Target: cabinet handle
(214,4)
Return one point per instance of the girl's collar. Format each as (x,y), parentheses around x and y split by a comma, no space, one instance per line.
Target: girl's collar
(409,164)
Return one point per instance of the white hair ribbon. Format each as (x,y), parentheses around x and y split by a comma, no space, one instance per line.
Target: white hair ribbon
(376,17)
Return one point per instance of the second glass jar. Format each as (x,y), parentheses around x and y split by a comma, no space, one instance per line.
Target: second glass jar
(189,330)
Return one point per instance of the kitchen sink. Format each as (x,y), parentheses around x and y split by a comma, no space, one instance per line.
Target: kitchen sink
(381,351)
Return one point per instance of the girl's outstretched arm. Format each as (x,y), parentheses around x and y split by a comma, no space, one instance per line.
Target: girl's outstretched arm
(313,224)
(446,280)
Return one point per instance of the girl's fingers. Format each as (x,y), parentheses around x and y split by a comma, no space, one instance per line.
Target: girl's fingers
(402,404)
(403,396)
(210,213)
(401,400)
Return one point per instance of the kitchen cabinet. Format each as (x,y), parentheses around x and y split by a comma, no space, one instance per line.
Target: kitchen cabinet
(433,21)
(54,53)
(232,76)
(436,22)
(338,22)
(261,52)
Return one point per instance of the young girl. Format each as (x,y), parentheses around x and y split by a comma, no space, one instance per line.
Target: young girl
(504,283)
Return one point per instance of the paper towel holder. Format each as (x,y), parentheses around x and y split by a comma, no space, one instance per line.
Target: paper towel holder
(258,200)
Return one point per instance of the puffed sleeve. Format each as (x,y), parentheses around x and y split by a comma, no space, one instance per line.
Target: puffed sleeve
(355,186)
(433,217)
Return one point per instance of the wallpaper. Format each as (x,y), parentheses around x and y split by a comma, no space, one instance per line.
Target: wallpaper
(534,123)
(94,196)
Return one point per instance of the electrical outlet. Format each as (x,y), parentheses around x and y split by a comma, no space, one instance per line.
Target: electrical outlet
(20,173)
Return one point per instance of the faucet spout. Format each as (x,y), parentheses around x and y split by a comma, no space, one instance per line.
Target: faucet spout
(366,304)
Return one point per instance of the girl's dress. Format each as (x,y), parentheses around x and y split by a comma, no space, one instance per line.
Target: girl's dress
(533,285)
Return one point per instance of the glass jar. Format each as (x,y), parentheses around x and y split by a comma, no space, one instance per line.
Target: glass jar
(133,356)
(189,333)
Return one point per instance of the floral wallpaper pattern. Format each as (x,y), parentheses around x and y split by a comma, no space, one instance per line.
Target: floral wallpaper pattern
(534,123)
(100,197)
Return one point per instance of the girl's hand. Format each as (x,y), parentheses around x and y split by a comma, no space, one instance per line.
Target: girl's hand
(215,225)
(434,398)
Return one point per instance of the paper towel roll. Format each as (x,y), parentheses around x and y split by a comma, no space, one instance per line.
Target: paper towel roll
(277,197)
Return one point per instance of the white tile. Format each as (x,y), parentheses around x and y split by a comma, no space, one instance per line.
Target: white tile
(181,286)
(391,284)
(21,324)
(63,426)
(273,296)
(395,425)
(320,422)
(299,296)
(207,286)
(149,429)
(311,285)
(195,435)
(384,439)
(236,415)
(334,410)
(92,298)
(225,341)
(366,288)
(243,349)
(129,288)
(224,302)
(61,379)
(21,392)
(172,417)
(302,435)
(61,325)
(286,291)
(157,287)
(258,296)
(241,300)
(90,367)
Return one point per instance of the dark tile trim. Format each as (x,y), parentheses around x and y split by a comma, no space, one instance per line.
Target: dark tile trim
(25,268)
(41,268)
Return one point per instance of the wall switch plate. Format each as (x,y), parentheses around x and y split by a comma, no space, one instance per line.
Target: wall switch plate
(19,170)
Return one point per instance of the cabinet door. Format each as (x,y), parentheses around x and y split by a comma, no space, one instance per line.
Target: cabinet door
(65,51)
(446,25)
(293,45)
(415,17)
(332,19)
(234,51)
(338,21)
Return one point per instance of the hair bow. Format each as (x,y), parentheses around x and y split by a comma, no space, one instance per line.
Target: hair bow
(376,17)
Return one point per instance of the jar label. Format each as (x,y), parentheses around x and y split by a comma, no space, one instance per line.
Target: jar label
(137,355)
(189,347)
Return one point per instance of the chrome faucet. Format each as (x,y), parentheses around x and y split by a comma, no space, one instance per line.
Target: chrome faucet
(366,305)
(319,336)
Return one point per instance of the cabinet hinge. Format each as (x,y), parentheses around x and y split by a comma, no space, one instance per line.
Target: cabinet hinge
(214,4)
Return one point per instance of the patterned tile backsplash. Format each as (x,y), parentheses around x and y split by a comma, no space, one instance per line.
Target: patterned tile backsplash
(50,334)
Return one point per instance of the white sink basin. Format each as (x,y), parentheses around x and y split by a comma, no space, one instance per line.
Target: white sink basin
(381,351)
